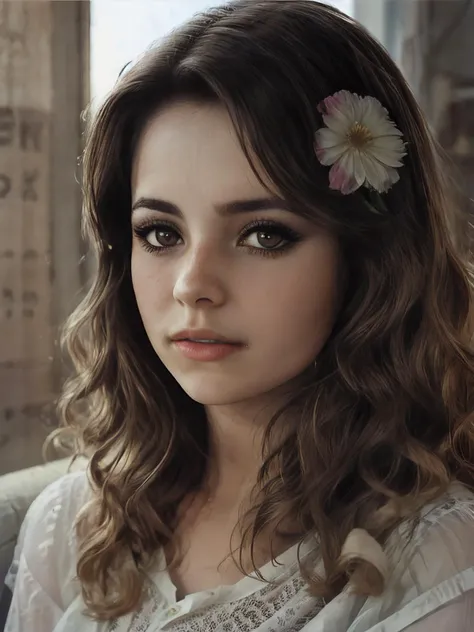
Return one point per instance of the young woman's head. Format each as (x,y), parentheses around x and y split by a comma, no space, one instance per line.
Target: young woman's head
(216,255)
(214,219)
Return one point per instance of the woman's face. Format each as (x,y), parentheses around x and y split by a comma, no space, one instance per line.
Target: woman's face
(216,259)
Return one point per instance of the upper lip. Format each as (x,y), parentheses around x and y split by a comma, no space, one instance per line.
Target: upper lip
(201,334)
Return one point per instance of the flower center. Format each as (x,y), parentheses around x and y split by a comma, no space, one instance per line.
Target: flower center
(359,135)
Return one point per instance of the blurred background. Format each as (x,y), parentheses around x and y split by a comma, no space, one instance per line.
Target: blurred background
(56,57)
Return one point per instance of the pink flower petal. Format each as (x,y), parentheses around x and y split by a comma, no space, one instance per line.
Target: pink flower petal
(359,172)
(389,150)
(378,176)
(394,143)
(332,103)
(330,155)
(341,180)
(392,177)
(328,146)
(351,164)
(326,138)
(387,157)
(338,122)
(338,110)
(329,104)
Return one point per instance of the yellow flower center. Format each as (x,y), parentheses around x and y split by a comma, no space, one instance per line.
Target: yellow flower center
(359,136)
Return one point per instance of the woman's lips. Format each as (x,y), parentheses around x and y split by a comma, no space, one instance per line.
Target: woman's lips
(206,351)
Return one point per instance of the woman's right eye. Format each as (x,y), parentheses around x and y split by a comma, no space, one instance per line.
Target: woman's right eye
(159,237)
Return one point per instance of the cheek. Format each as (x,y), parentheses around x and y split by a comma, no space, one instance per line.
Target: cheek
(140,278)
(299,308)
(147,282)
(307,306)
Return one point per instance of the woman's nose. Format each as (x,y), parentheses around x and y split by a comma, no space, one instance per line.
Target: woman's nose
(200,279)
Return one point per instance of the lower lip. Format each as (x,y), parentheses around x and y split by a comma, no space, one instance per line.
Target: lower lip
(205,352)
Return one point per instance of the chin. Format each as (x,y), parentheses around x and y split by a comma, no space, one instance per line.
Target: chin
(225,390)
(215,394)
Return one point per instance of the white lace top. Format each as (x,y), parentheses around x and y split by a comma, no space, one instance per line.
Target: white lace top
(431,587)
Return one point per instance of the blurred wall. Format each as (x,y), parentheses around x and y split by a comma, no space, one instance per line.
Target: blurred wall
(436,53)
(372,15)
(42,92)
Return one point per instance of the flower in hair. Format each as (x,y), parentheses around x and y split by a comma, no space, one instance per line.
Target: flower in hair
(360,142)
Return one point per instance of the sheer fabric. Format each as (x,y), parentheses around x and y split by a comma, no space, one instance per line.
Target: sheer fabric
(431,588)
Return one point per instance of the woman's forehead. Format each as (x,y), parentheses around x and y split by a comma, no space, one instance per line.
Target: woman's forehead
(193,147)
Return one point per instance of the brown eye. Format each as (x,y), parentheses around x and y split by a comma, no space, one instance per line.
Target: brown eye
(265,237)
(163,238)
(268,239)
(166,237)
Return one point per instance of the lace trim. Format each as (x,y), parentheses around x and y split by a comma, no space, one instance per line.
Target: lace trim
(286,603)
(248,614)
(287,606)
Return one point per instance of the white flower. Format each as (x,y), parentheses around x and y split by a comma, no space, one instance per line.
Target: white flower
(361,143)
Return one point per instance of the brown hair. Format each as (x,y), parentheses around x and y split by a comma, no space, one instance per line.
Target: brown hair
(386,421)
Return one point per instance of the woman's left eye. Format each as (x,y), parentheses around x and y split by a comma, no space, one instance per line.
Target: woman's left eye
(268,237)
(264,239)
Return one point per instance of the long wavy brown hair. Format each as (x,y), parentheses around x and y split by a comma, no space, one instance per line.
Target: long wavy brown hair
(384,423)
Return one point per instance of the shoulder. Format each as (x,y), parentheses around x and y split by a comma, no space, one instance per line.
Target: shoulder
(441,536)
(432,564)
(52,513)
(47,542)
(456,502)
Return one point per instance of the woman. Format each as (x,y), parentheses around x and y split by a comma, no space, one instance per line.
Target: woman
(274,370)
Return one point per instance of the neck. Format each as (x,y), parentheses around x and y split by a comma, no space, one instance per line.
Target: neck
(236,441)
(236,435)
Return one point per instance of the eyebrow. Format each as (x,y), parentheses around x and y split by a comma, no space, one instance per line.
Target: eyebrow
(228,208)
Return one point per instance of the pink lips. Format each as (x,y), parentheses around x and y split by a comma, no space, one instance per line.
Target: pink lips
(204,345)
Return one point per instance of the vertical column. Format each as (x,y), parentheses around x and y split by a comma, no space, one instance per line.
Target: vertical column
(437,59)
(26,337)
(71,78)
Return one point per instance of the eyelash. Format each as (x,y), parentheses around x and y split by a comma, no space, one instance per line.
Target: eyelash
(289,236)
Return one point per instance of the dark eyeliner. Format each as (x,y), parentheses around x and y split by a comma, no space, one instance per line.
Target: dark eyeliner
(146,227)
(290,236)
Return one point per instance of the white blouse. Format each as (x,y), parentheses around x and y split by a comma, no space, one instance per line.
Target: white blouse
(431,587)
